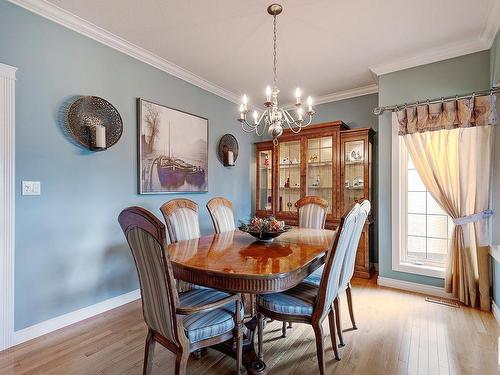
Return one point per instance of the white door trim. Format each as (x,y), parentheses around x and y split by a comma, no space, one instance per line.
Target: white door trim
(7,202)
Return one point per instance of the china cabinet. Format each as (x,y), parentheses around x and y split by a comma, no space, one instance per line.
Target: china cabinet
(327,160)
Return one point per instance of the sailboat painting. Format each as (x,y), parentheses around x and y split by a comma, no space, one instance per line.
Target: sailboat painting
(173,150)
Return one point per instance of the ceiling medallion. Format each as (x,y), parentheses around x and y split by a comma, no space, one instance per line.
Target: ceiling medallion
(275,118)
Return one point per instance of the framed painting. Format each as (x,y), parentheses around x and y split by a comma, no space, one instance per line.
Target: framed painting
(173,150)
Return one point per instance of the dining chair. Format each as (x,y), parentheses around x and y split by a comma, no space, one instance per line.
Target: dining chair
(221,212)
(181,218)
(180,322)
(347,270)
(309,303)
(312,212)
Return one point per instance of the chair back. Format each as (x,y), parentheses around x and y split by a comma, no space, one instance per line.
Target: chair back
(145,235)
(350,257)
(181,217)
(221,212)
(330,280)
(312,212)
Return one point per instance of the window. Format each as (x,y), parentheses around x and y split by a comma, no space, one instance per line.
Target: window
(420,228)
(427,225)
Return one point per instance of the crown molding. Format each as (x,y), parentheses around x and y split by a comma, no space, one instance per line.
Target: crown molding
(341,95)
(88,29)
(492,24)
(432,55)
(347,94)
(7,71)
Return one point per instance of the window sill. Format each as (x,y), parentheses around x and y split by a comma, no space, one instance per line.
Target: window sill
(422,270)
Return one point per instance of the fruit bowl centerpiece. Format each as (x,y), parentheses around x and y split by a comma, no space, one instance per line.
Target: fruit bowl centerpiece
(264,229)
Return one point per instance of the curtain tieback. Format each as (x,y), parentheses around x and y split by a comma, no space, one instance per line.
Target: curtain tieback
(472,218)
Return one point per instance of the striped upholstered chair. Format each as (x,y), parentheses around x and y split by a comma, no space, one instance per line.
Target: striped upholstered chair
(312,212)
(181,218)
(348,269)
(308,303)
(221,212)
(181,322)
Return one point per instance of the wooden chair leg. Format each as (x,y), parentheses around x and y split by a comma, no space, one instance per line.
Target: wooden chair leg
(349,304)
(260,333)
(333,334)
(238,337)
(336,306)
(181,361)
(318,332)
(283,330)
(149,349)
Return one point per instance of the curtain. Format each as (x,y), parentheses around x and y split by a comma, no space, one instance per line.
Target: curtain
(451,145)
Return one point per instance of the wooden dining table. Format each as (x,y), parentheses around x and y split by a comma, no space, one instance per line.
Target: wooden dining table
(236,262)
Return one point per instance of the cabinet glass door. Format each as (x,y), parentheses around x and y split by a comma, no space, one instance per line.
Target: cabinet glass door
(289,176)
(319,169)
(354,162)
(265,177)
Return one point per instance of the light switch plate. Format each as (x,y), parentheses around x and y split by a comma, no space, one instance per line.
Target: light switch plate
(31,188)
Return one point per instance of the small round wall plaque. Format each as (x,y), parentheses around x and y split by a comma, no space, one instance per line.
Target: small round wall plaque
(90,113)
(228,150)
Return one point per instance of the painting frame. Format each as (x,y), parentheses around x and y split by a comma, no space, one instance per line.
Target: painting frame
(141,181)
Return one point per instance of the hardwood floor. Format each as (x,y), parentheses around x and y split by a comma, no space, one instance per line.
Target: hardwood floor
(399,333)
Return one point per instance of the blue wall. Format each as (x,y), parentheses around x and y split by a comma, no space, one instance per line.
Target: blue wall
(454,76)
(70,252)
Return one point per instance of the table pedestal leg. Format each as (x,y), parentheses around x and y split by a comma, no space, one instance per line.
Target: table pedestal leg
(251,361)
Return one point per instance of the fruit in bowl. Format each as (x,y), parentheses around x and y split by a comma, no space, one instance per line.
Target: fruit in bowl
(264,229)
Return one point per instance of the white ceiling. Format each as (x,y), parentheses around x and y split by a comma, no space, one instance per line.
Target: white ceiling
(324,46)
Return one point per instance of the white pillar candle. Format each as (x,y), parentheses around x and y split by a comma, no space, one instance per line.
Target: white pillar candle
(230,158)
(100,136)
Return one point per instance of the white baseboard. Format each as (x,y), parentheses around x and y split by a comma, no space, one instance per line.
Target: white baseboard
(59,322)
(414,287)
(496,311)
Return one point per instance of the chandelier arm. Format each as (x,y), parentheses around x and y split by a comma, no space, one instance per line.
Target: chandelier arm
(252,127)
(297,123)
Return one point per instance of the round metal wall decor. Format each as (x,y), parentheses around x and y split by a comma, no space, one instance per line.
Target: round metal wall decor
(88,111)
(227,143)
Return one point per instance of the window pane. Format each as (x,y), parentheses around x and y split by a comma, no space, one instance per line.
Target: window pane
(416,246)
(416,225)
(433,207)
(416,202)
(437,226)
(414,181)
(437,248)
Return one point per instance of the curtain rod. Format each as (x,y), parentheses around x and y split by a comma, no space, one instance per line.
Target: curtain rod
(379,110)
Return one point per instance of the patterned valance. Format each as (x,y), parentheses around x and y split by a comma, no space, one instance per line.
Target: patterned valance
(461,113)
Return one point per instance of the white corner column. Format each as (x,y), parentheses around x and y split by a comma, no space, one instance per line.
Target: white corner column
(7,201)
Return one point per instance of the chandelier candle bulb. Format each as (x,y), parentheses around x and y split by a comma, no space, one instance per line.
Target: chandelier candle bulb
(255,117)
(245,102)
(268,93)
(309,103)
(297,96)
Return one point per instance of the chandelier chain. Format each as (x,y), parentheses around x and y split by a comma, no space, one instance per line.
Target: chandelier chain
(275,74)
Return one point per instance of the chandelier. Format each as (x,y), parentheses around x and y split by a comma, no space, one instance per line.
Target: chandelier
(275,118)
